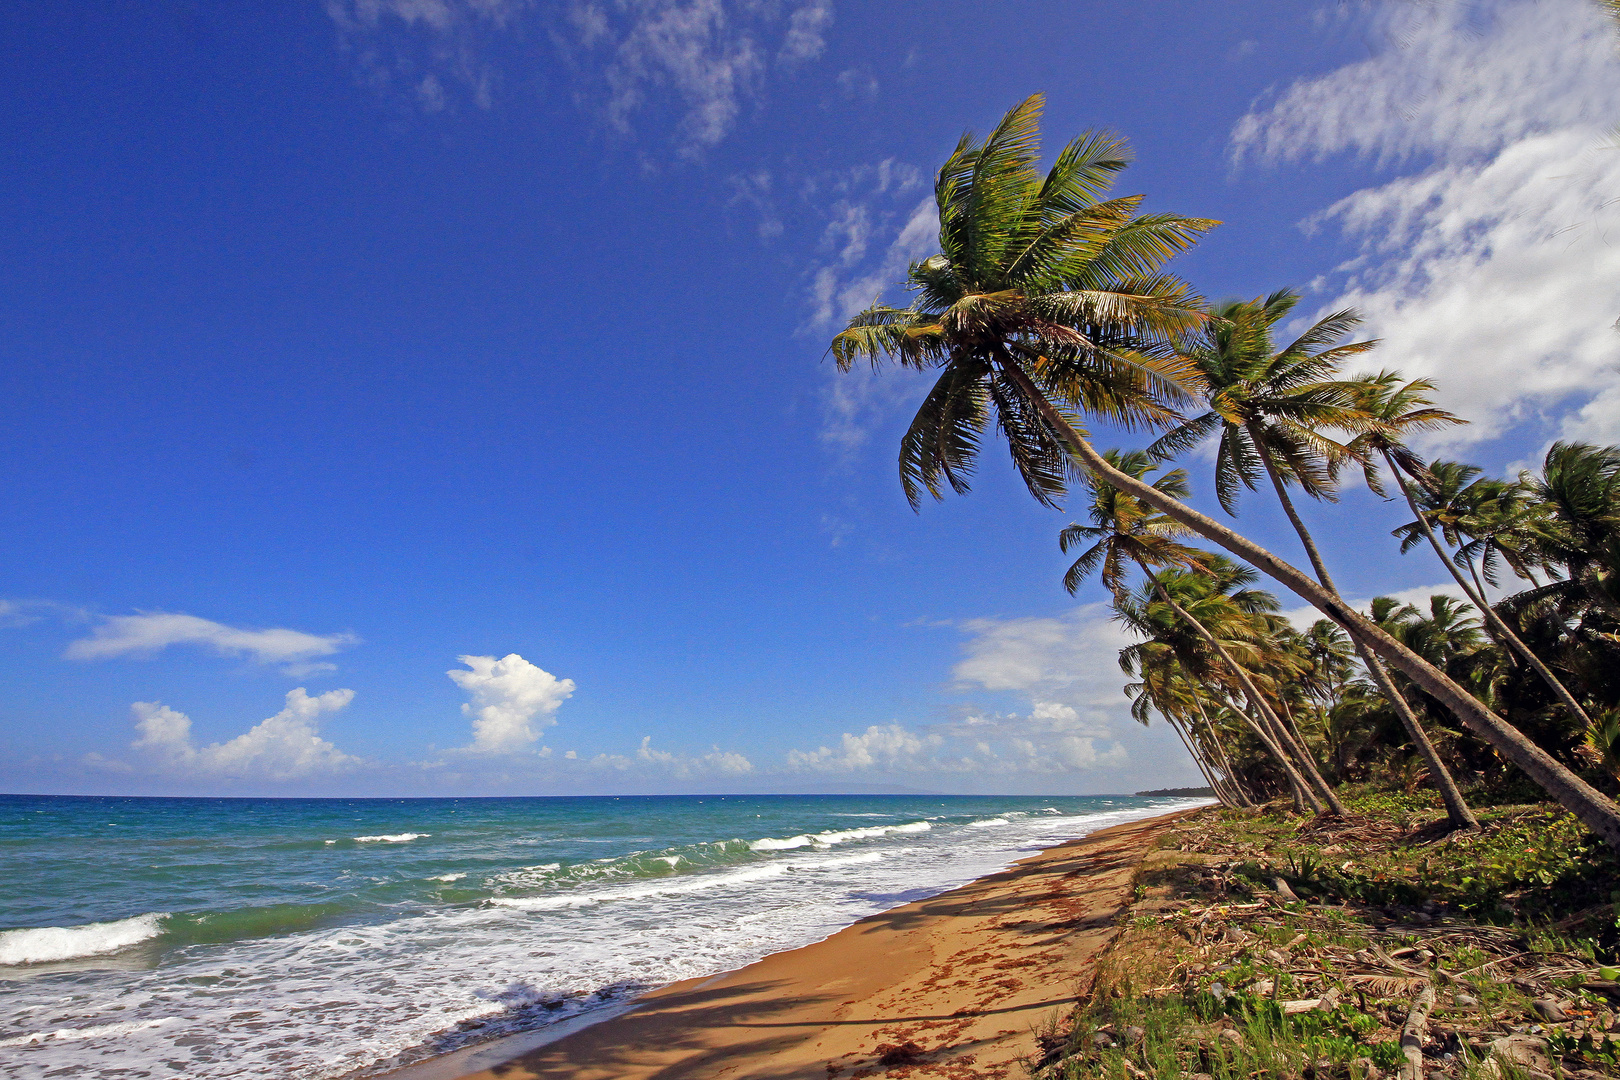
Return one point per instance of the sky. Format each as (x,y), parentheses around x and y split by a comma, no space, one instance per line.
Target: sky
(429,397)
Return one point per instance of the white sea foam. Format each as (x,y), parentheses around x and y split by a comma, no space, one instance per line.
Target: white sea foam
(51,943)
(449,877)
(395,838)
(835,836)
(674,887)
(99,1031)
(987,822)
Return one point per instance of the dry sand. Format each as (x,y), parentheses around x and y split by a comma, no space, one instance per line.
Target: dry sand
(951,987)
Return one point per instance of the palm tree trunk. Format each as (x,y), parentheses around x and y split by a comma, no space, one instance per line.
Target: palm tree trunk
(1250,692)
(1457,811)
(1596,810)
(1198,759)
(1493,622)
(1244,798)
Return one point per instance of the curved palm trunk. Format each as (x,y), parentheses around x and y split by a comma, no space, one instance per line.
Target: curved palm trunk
(1596,810)
(1303,794)
(1244,798)
(1493,622)
(1203,766)
(1457,811)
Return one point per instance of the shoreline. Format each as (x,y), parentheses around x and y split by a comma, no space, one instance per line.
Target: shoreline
(950,986)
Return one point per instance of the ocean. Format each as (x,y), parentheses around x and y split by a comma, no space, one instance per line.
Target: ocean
(310,939)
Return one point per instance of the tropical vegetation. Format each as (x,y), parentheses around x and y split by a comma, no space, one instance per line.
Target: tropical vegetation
(1049,307)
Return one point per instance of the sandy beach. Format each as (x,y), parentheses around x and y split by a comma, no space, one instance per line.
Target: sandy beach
(954,986)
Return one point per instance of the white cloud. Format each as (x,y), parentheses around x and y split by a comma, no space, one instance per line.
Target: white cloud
(287,746)
(512,700)
(806,34)
(712,54)
(854,277)
(1493,269)
(841,288)
(426,47)
(153,631)
(1068,669)
(1051,739)
(882,746)
(646,760)
(1072,658)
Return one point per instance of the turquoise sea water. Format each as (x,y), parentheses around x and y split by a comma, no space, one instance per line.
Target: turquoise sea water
(318,938)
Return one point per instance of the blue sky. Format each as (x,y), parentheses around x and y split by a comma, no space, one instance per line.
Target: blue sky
(342,342)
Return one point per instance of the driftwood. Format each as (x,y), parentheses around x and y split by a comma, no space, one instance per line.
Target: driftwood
(1412,1033)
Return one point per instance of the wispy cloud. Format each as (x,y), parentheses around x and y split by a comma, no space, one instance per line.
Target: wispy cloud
(287,746)
(434,51)
(1492,268)
(150,632)
(691,65)
(715,56)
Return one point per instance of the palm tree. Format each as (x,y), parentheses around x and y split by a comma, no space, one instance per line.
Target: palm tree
(1225,642)
(1393,410)
(1268,407)
(1579,487)
(1125,529)
(1047,301)
(1167,688)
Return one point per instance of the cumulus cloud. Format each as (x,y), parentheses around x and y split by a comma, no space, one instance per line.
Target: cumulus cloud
(287,746)
(1490,267)
(1067,669)
(151,632)
(511,701)
(883,746)
(1051,738)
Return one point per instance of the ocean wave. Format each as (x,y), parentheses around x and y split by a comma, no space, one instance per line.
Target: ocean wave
(675,887)
(987,822)
(394,838)
(448,877)
(46,944)
(239,924)
(835,836)
(98,1031)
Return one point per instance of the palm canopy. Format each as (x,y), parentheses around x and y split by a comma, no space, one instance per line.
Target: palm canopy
(1042,287)
(1579,492)
(1269,403)
(1124,529)
(1485,519)
(1219,596)
(1391,411)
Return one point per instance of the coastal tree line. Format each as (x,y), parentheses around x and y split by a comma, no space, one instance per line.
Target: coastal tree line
(1049,306)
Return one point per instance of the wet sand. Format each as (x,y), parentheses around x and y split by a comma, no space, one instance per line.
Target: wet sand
(953,987)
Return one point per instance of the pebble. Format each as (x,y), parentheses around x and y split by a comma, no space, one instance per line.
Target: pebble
(1548,1009)
(1463,1001)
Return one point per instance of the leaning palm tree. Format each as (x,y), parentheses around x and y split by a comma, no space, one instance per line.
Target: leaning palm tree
(1047,301)
(1166,688)
(1268,407)
(1393,410)
(1216,627)
(1126,530)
